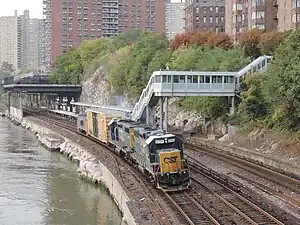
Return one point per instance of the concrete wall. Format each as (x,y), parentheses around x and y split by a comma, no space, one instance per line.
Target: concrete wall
(16,114)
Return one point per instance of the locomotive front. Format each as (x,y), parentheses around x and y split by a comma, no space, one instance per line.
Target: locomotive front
(167,161)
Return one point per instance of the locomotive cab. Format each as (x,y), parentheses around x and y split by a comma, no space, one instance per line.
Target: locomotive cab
(168,163)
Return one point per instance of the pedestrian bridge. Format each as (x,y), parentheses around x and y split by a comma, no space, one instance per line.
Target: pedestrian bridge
(164,84)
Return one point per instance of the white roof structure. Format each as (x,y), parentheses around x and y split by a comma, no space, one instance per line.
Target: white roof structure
(151,138)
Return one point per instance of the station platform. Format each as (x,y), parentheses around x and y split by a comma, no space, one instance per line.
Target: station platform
(93,106)
(65,113)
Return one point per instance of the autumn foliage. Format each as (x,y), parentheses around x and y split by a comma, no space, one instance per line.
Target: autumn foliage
(270,41)
(256,42)
(201,38)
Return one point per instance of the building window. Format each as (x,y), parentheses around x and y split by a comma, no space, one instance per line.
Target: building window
(204,19)
(296,3)
(258,2)
(258,15)
(217,9)
(296,18)
(258,26)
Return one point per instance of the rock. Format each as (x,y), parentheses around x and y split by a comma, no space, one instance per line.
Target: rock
(211,137)
(97,90)
(261,134)
(232,131)
(180,118)
(224,138)
(254,135)
(274,147)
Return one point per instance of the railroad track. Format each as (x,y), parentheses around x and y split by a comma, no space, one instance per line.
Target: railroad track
(293,202)
(240,199)
(190,211)
(278,186)
(276,177)
(241,210)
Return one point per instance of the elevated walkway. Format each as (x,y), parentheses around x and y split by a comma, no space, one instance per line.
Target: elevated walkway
(164,84)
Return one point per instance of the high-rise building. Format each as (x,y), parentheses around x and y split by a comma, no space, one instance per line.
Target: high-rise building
(34,49)
(242,15)
(24,44)
(143,14)
(19,40)
(69,22)
(41,44)
(204,15)
(174,18)
(9,40)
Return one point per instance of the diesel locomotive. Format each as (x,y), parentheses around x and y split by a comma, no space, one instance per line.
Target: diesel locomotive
(159,155)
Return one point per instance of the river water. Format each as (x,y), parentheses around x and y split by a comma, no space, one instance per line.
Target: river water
(42,188)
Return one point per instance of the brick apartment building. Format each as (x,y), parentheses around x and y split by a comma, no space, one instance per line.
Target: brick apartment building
(142,14)
(242,15)
(288,14)
(69,22)
(205,15)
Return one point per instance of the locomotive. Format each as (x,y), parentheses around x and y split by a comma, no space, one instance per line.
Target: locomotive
(159,155)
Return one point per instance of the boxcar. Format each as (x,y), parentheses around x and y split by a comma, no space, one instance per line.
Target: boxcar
(97,122)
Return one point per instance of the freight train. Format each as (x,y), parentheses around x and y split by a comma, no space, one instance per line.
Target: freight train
(159,155)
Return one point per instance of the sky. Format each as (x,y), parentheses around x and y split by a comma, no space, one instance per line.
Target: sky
(34,6)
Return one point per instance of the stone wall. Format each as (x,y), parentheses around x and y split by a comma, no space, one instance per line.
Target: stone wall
(16,114)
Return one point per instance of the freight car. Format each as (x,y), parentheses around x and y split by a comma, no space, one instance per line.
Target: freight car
(157,154)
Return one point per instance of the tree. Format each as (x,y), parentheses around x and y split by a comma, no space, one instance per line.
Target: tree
(219,40)
(250,42)
(282,86)
(207,59)
(181,40)
(270,41)
(116,66)
(70,67)
(6,70)
(211,39)
(253,105)
(143,53)
(127,38)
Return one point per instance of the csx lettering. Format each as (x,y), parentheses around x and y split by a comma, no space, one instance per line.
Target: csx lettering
(170,159)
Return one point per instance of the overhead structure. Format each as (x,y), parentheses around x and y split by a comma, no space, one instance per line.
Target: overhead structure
(164,84)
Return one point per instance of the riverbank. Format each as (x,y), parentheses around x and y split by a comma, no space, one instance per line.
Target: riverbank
(89,167)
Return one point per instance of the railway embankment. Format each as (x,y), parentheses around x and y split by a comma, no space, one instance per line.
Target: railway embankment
(276,162)
(89,167)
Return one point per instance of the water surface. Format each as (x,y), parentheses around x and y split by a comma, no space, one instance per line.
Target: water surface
(42,188)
